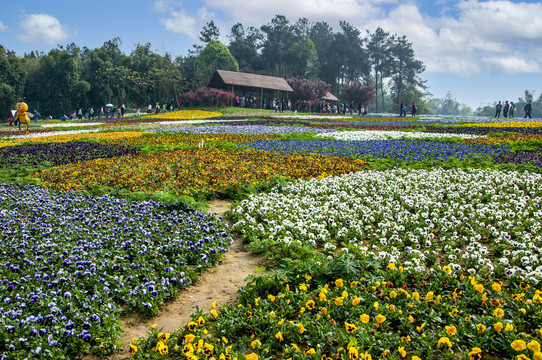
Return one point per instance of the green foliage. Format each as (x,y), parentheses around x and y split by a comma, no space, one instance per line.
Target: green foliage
(12,78)
(215,56)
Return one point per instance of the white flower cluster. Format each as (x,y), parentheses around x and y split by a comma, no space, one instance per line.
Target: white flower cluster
(69,125)
(478,220)
(385,135)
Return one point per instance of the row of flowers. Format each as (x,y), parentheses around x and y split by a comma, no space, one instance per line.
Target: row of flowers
(196,172)
(69,272)
(247,129)
(387,312)
(484,222)
(177,140)
(60,136)
(403,150)
(34,155)
(384,135)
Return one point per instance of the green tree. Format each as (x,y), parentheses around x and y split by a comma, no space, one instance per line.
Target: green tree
(305,63)
(209,33)
(323,38)
(277,54)
(215,56)
(448,106)
(12,81)
(378,48)
(404,68)
(244,46)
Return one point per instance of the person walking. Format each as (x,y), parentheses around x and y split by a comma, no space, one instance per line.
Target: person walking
(36,115)
(528,108)
(505,109)
(512,108)
(498,109)
(413,109)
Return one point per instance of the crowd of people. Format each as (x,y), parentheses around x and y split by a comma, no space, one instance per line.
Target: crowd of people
(509,108)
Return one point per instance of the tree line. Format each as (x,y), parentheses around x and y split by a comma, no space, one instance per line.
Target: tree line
(71,77)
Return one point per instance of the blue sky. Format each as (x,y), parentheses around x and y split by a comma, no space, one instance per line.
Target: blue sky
(480,51)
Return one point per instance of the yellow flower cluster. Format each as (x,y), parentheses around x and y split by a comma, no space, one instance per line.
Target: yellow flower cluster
(187,140)
(200,171)
(111,136)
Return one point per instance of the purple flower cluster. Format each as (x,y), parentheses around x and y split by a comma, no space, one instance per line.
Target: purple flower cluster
(246,129)
(59,153)
(69,272)
(533,158)
(405,150)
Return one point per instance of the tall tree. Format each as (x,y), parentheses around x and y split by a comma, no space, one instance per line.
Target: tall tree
(378,48)
(305,59)
(349,45)
(404,67)
(215,56)
(322,36)
(209,32)
(277,52)
(244,46)
(12,80)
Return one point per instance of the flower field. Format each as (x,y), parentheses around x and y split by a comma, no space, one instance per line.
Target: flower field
(387,238)
(69,272)
(191,172)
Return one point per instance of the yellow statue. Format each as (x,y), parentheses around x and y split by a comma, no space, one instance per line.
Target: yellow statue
(22,116)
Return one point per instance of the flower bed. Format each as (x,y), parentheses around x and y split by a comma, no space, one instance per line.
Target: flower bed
(205,172)
(186,140)
(533,158)
(383,135)
(307,313)
(483,221)
(59,137)
(247,129)
(34,155)
(404,150)
(68,273)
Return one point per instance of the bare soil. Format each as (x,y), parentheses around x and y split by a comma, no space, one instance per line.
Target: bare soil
(219,284)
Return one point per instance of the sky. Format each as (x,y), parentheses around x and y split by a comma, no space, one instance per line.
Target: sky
(479,51)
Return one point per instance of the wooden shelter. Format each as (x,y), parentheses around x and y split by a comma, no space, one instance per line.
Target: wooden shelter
(232,81)
(329,97)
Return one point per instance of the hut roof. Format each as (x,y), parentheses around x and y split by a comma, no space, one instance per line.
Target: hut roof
(225,78)
(329,97)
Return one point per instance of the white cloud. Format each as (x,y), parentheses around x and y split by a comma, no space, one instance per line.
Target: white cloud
(512,64)
(490,36)
(42,29)
(3,27)
(259,12)
(179,22)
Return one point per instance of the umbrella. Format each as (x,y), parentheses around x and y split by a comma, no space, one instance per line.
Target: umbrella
(109,105)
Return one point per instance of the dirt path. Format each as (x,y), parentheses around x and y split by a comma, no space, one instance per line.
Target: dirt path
(219,284)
